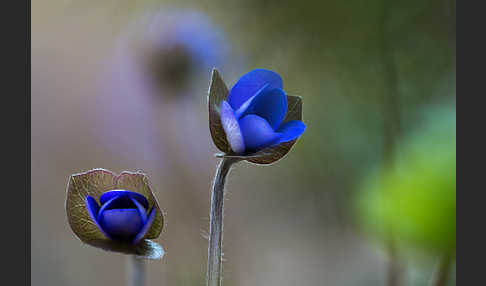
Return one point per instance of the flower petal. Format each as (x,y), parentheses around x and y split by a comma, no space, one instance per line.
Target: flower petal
(106,205)
(92,206)
(271,104)
(121,223)
(145,228)
(231,128)
(110,194)
(93,209)
(244,107)
(119,202)
(257,133)
(248,85)
(291,130)
(141,210)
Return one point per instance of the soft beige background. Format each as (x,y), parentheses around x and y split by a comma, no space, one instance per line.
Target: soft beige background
(286,224)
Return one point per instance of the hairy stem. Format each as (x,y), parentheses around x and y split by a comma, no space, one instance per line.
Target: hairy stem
(215,264)
(136,271)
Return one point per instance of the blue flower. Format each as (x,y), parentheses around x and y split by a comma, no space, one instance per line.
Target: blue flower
(182,45)
(253,114)
(192,30)
(123,215)
(164,53)
(154,75)
(115,212)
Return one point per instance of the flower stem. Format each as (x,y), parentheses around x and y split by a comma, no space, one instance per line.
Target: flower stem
(443,271)
(136,271)
(215,264)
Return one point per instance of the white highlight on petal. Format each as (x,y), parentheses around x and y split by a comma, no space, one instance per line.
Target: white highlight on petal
(232,128)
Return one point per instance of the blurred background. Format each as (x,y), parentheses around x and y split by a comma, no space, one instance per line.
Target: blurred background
(366,197)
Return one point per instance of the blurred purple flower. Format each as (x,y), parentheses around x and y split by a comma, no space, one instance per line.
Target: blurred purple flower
(171,50)
(152,88)
(184,42)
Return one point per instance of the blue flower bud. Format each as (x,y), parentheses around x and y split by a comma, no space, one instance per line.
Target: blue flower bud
(123,215)
(117,213)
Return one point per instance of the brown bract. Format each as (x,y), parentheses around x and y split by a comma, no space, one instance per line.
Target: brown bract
(218,92)
(96,182)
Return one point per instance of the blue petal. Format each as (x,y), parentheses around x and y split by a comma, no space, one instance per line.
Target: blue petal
(257,133)
(120,202)
(110,194)
(270,104)
(248,85)
(244,107)
(93,209)
(121,223)
(231,128)
(107,205)
(291,130)
(145,228)
(92,206)
(141,210)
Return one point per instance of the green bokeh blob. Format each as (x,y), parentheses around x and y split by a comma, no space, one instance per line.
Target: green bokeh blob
(415,200)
